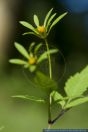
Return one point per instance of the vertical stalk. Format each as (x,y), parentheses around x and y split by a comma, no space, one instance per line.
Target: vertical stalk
(50,75)
(49,59)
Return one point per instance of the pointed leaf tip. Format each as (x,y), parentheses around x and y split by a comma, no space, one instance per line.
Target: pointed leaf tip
(57,20)
(21,49)
(36,20)
(47,17)
(17,61)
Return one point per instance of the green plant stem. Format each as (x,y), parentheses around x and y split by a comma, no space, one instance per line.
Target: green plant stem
(49,59)
(50,75)
(60,115)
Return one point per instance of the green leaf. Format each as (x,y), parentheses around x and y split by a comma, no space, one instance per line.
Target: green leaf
(29,26)
(18,61)
(32,68)
(44,82)
(37,48)
(58,98)
(50,20)
(77,84)
(47,17)
(29,33)
(36,20)
(31,46)
(22,50)
(77,102)
(57,20)
(27,97)
(44,55)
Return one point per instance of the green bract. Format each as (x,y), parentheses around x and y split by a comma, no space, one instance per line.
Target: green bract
(31,59)
(42,31)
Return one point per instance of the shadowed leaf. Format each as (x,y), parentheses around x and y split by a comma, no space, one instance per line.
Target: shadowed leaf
(44,82)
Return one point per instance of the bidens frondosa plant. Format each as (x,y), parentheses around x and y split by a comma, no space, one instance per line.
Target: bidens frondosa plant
(75,86)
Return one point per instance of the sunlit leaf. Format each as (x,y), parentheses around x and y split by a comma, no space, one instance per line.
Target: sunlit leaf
(28,25)
(57,20)
(77,102)
(77,84)
(36,20)
(47,17)
(18,61)
(27,97)
(50,20)
(22,50)
(44,55)
(29,33)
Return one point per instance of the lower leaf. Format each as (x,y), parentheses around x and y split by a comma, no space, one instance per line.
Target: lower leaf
(27,97)
(77,102)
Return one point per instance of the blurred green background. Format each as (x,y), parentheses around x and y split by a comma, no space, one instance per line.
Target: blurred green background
(70,36)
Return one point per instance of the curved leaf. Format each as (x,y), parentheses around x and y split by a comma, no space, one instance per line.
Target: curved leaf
(57,20)
(47,17)
(50,20)
(22,50)
(44,55)
(29,33)
(37,48)
(31,46)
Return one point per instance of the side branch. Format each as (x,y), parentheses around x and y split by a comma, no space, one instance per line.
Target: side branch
(60,115)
